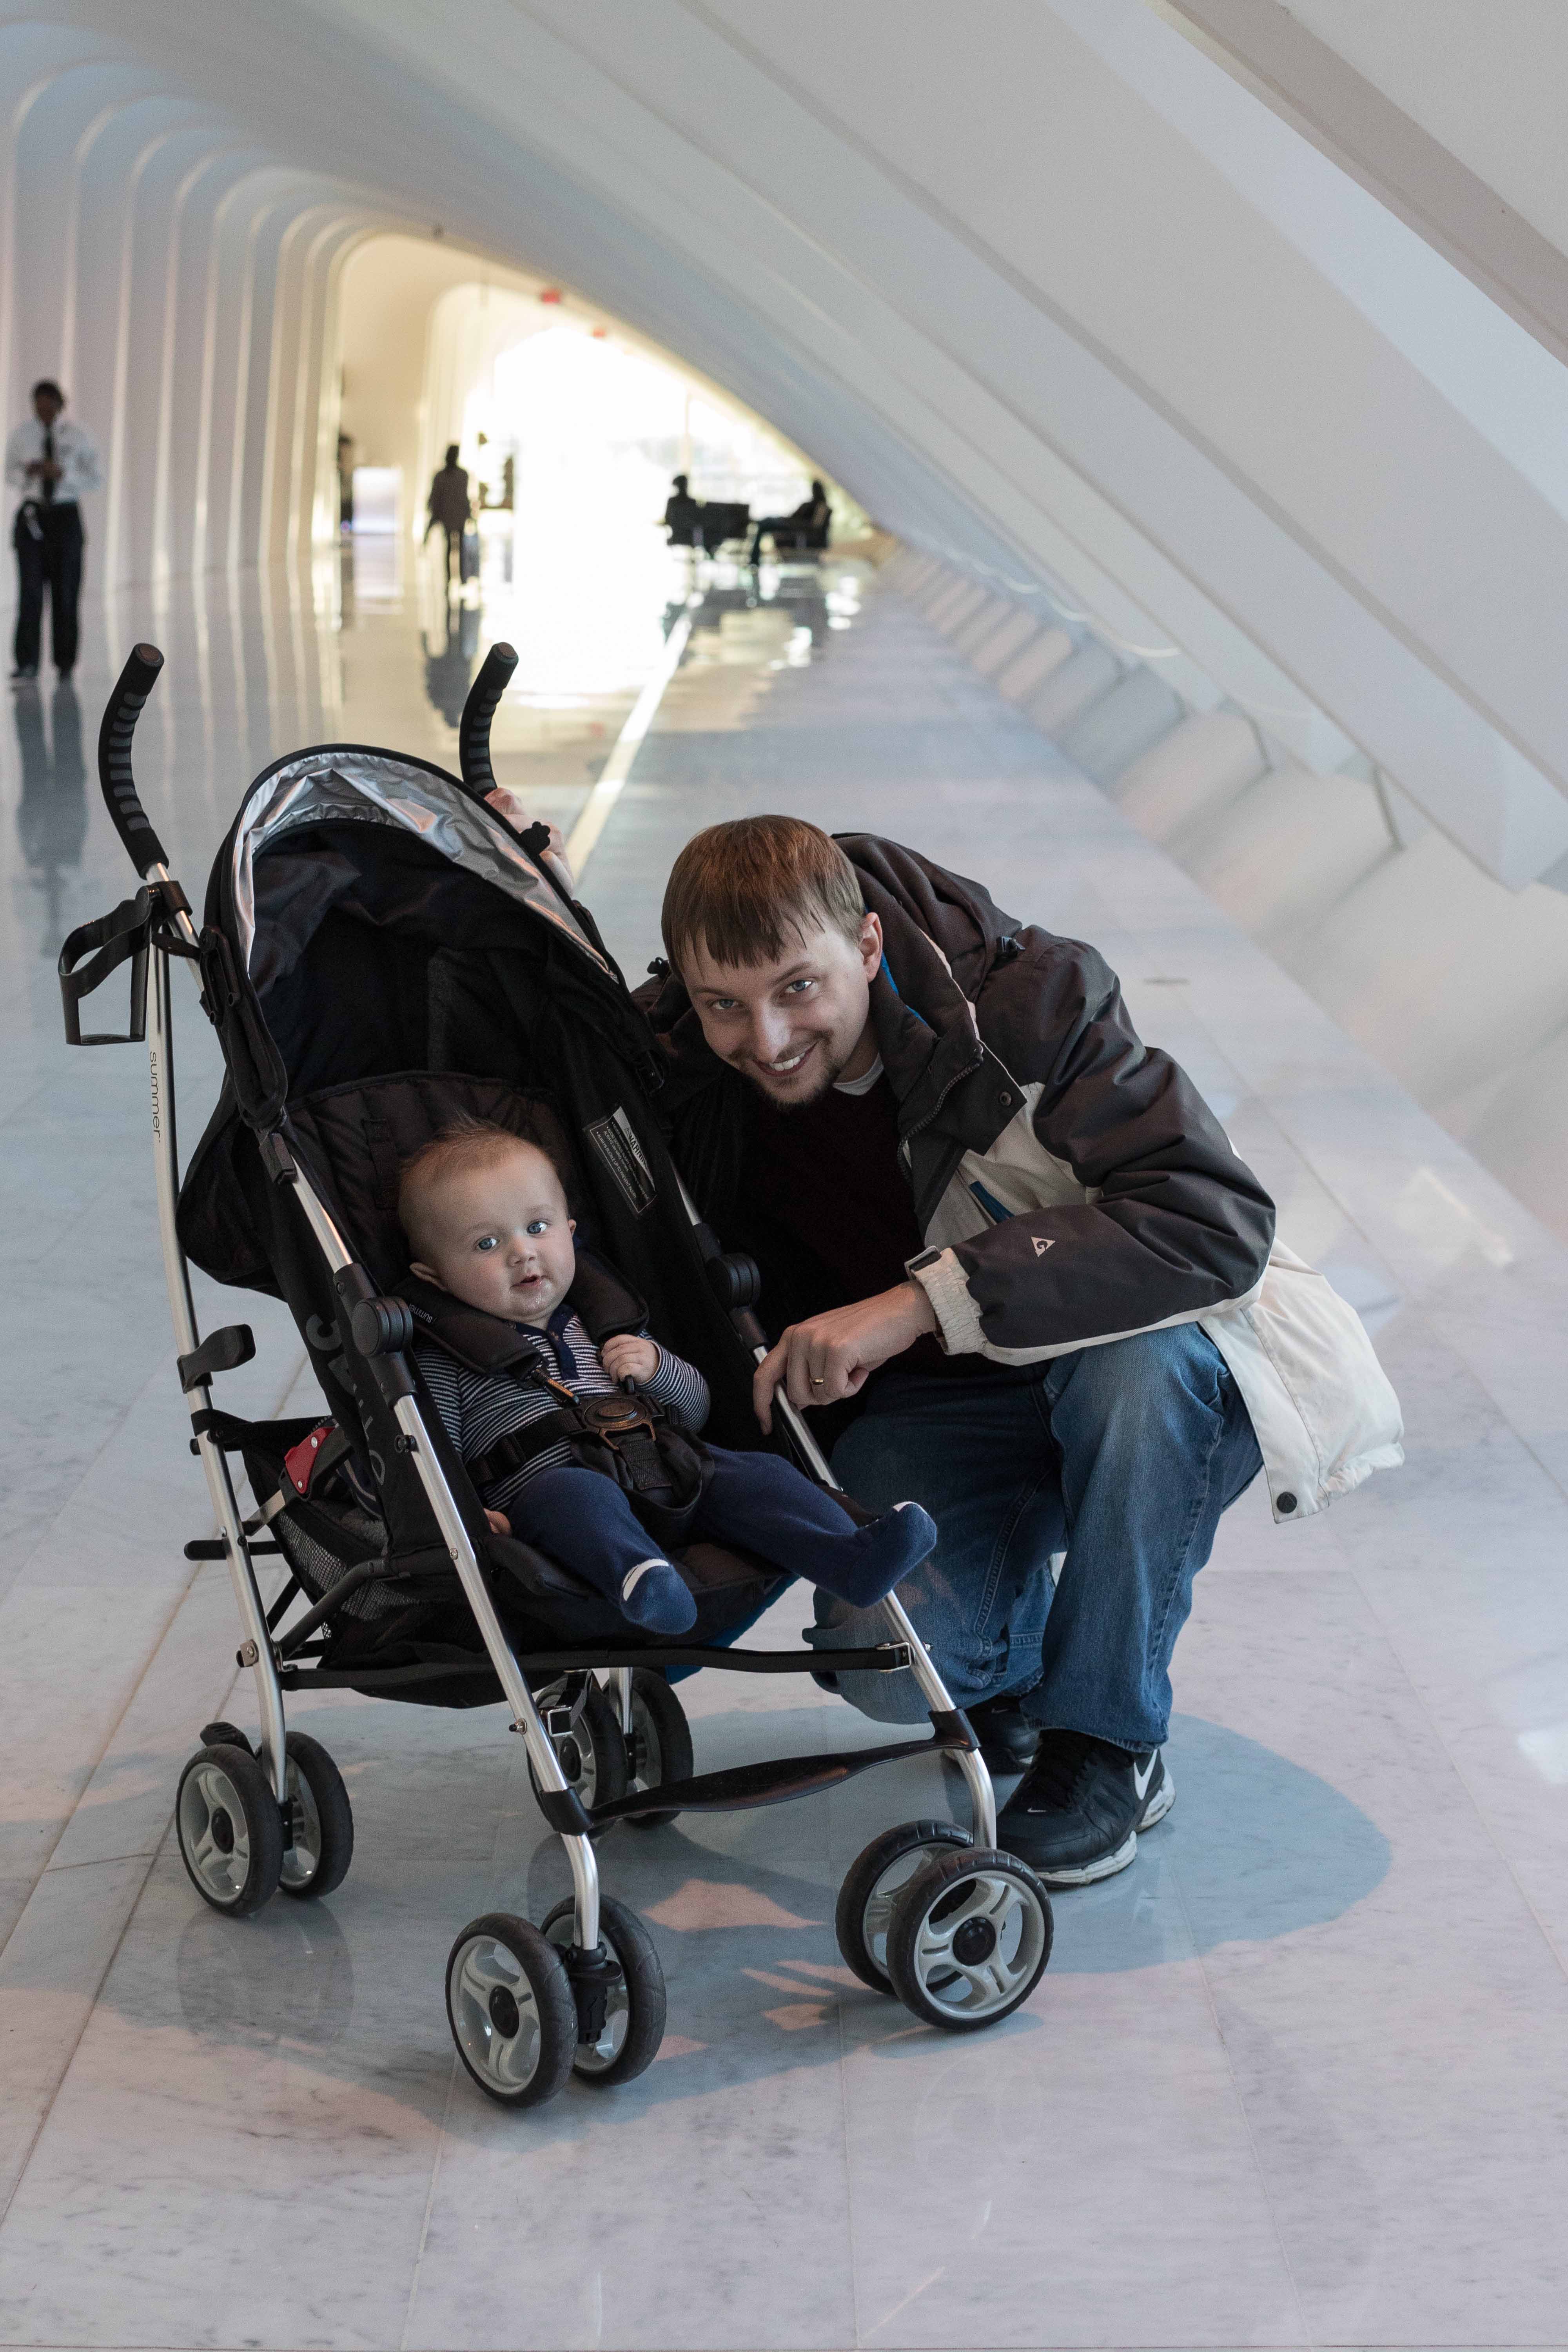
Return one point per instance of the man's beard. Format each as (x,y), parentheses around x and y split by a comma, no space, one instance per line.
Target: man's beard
(834,1070)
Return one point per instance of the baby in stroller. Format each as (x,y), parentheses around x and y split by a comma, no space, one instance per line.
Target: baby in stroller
(540,1413)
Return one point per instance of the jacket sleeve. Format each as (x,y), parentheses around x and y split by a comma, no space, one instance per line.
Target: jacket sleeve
(680,1387)
(1176,1225)
(15,462)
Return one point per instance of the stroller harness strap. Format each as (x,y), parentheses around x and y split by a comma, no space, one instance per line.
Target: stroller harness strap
(628,1434)
(630,1426)
(628,1437)
(486,1343)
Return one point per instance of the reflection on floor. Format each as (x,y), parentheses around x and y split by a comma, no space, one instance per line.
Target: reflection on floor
(1295,2078)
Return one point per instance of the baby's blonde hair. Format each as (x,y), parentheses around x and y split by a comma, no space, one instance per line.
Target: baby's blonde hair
(467,1142)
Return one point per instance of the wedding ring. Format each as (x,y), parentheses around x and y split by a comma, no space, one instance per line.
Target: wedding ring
(818,1379)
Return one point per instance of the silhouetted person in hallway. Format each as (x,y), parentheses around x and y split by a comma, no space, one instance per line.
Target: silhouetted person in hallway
(449,507)
(680,512)
(807,527)
(51,815)
(51,461)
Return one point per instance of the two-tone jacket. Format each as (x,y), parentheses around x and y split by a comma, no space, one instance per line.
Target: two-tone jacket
(1072,1185)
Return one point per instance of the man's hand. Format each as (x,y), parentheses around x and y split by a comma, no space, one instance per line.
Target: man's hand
(835,1354)
(627,1358)
(508,805)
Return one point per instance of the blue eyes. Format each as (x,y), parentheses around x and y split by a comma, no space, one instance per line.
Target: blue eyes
(489,1241)
(733,1005)
(540,1225)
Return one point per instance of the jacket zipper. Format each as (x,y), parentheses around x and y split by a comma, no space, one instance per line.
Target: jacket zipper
(921,1124)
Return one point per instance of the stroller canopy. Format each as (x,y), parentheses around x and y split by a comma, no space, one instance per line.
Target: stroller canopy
(357,900)
(346,784)
(381,950)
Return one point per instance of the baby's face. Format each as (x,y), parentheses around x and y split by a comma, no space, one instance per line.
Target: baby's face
(499,1237)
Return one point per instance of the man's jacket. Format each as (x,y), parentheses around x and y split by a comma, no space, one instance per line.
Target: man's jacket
(1072,1186)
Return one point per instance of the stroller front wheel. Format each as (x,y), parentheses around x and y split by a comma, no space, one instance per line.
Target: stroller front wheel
(623,2040)
(510,2006)
(872,1886)
(230,1829)
(969,1939)
(321,1820)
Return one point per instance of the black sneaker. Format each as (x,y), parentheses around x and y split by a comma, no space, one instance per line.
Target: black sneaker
(1007,1740)
(1076,1815)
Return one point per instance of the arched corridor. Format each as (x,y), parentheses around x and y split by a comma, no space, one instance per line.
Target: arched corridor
(1186,385)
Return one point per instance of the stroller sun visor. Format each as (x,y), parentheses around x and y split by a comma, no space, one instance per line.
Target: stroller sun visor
(378,788)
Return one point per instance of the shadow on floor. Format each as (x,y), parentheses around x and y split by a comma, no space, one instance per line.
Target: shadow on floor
(1255,1849)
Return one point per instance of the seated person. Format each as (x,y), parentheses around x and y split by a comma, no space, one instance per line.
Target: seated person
(486,1220)
(806,527)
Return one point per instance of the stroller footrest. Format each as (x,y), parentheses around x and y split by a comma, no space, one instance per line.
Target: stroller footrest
(772,1782)
(886,1658)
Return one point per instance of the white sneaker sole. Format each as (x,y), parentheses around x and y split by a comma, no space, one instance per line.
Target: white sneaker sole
(1106,1865)
(1160,1803)
(1085,1874)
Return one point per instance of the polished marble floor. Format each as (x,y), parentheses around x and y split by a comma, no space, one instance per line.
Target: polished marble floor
(1298,2078)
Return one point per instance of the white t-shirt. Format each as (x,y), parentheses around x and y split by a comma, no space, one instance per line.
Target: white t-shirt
(859,1085)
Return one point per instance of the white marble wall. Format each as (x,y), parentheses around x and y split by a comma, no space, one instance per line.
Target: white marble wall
(179,281)
(1458,983)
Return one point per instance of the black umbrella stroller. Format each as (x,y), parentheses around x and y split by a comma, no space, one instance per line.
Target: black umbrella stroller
(382,952)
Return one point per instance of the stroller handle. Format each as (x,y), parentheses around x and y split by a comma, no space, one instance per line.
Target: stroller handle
(131,687)
(474,729)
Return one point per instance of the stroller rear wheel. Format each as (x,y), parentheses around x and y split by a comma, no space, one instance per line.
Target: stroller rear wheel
(509,2005)
(969,1939)
(624,2041)
(871,1888)
(592,1754)
(321,1820)
(659,1747)
(230,1829)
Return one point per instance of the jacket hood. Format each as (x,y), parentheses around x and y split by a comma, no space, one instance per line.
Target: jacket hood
(902,889)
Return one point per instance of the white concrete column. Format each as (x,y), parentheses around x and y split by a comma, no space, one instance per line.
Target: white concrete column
(191,365)
(149,356)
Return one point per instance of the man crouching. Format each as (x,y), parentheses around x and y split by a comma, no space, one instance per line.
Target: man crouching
(1013,1262)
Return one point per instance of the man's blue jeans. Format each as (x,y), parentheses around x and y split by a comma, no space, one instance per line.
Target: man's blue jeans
(1123,1456)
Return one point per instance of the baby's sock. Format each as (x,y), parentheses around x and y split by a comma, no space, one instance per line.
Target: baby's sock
(863,1564)
(653,1596)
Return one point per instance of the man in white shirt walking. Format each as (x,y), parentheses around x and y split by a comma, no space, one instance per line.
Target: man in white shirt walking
(51,461)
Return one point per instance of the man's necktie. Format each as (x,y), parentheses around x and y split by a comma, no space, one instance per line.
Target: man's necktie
(49,460)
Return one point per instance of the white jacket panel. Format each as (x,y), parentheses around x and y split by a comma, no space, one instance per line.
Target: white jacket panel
(1323,1410)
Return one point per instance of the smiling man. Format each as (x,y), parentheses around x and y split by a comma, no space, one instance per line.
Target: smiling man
(1014,1264)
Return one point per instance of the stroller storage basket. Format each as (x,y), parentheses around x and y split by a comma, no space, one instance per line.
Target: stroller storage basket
(382,952)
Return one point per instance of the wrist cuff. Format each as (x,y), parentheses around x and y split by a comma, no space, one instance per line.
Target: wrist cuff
(941,1278)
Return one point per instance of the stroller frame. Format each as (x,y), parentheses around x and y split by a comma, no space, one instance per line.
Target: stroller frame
(152,932)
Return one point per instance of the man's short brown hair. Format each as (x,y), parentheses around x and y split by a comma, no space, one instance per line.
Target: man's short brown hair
(740,892)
